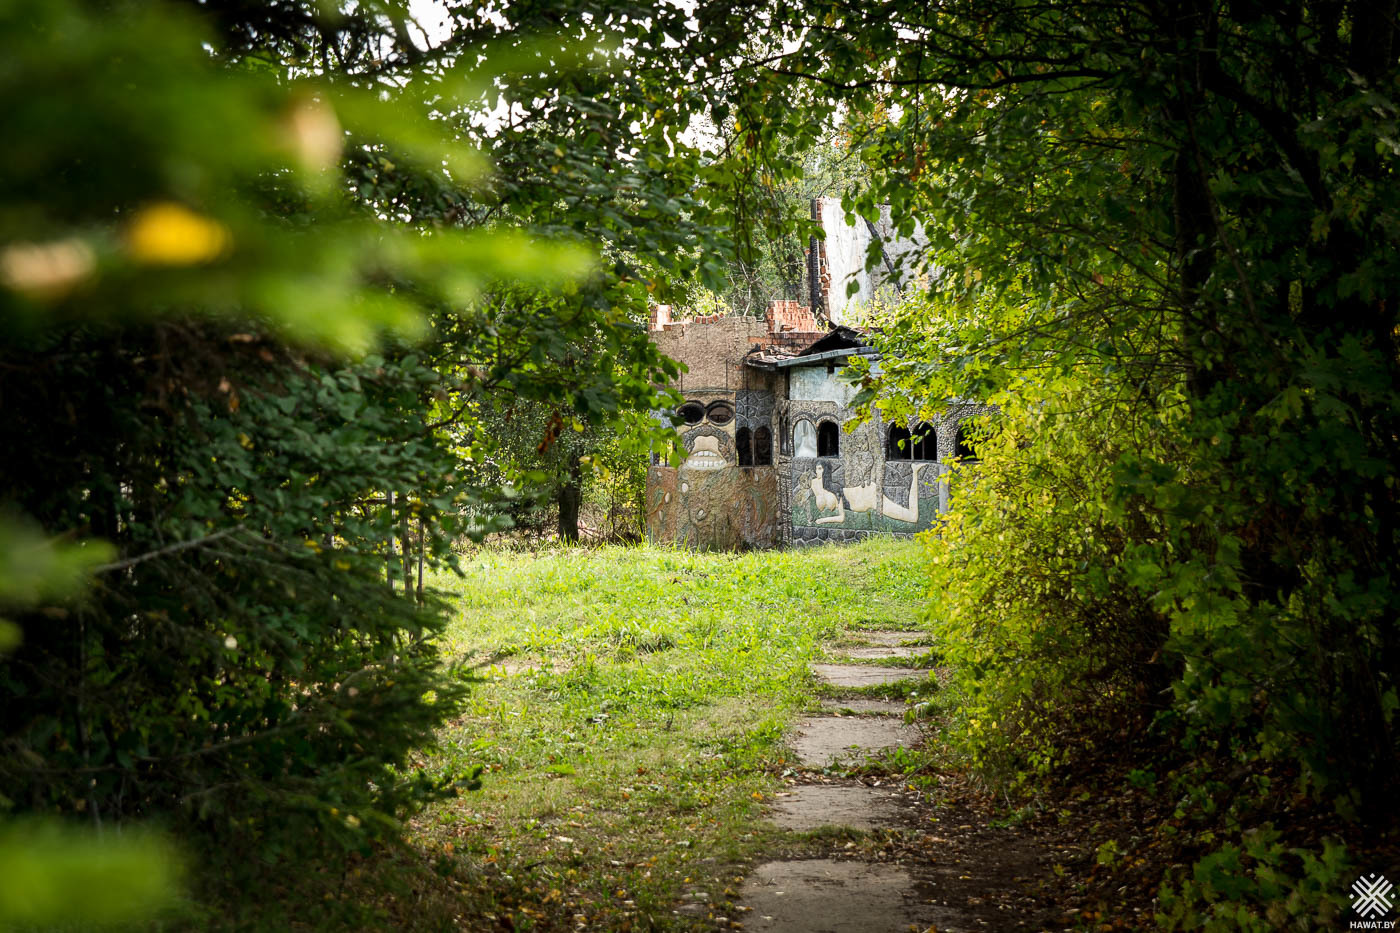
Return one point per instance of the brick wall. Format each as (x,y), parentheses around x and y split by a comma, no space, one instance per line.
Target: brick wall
(714,346)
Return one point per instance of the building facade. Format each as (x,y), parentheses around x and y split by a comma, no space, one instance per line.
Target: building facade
(773,456)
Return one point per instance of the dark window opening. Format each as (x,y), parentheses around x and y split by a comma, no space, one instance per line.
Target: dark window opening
(925,442)
(785,435)
(655,458)
(692,412)
(964,449)
(762,447)
(828,439)
(720,413)
(741,441)
(899,446)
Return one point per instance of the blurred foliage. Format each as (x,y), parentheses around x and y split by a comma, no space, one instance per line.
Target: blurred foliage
(54,876)
(162,181)
(40,570)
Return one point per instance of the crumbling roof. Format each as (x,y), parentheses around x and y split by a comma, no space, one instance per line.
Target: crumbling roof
(838,343)
(838,338)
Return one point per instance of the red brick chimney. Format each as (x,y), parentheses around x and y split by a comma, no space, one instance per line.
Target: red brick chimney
(786,315)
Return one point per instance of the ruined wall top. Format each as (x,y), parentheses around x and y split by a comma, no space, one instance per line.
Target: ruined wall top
(714,346)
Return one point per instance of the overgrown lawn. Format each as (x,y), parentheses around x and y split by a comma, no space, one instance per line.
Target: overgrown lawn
(630,722)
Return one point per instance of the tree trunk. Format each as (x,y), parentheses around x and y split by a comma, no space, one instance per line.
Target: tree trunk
(392,556)
(570,496)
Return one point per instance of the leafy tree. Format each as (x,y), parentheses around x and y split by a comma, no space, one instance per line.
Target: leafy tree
(773,266)
(188,298)
(555,466)
(1164,241)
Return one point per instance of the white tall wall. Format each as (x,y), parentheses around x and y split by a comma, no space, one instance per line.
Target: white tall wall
(846,250)
(815,384)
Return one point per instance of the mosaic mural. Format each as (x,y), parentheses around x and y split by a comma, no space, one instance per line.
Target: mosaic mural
(730,508)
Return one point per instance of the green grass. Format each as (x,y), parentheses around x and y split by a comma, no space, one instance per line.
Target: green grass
(640,726)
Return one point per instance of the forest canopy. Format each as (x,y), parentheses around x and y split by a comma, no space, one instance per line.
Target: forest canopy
(295,297)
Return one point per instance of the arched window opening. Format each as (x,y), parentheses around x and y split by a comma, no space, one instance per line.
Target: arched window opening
(963,450)
(762,447)
(898,447)
(804,439)
(828,439)
(925,442)
(741,441)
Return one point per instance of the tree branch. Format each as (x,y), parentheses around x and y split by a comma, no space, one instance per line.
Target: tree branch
(161,552)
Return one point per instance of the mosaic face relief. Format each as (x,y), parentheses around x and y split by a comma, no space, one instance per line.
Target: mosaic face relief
(709,502)
(712,509)
(708,434)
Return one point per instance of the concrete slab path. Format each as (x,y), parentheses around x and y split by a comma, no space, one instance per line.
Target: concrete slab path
(851,806)
(945,887)
(878,652)
(823,741)
(863,675)
(830,896)
(876,707)
(886,638)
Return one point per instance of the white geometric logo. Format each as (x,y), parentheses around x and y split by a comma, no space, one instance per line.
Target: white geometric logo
(1372,895)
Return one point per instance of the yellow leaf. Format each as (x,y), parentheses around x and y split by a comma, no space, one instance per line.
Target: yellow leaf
(170,234)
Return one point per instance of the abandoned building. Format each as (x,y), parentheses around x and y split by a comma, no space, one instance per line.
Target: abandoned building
(769,459)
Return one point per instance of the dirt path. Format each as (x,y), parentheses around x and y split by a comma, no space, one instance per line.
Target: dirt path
(865,853)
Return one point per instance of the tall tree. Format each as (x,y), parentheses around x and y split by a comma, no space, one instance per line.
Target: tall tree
(206,340)
(1182,218)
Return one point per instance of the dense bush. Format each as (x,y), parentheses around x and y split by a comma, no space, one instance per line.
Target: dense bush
(256,653)
(1056,652)
(1162,240)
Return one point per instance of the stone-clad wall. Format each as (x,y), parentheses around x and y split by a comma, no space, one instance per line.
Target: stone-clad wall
(713,350)
(859,493)
(713,502)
